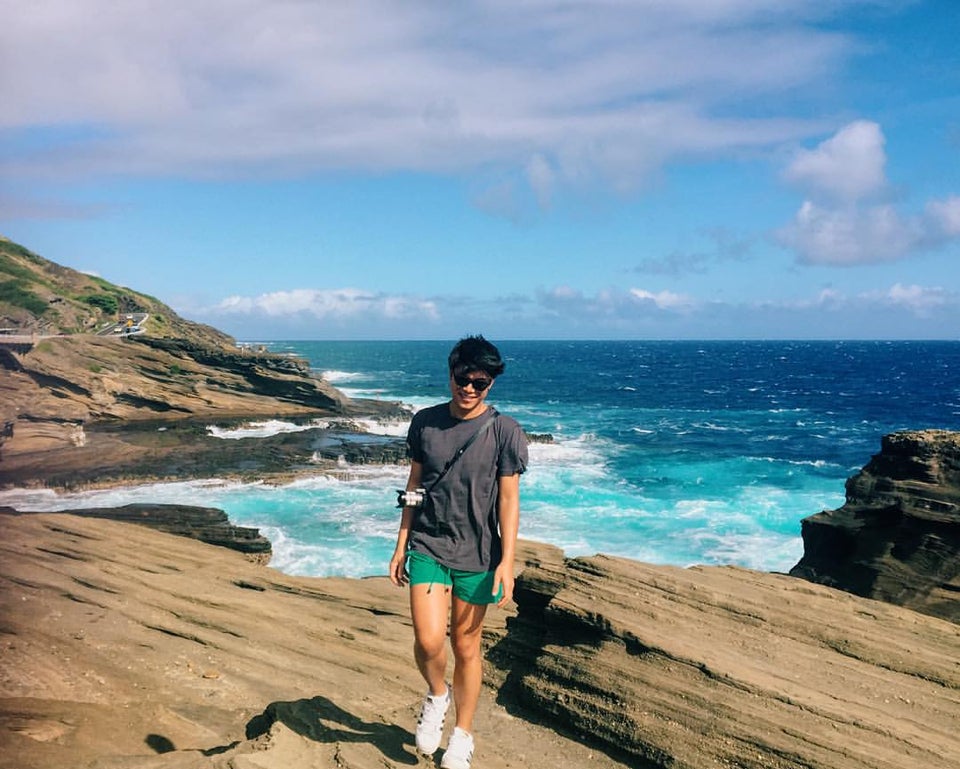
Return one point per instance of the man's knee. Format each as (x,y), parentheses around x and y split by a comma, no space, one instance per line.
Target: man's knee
(466,646)
(430,646)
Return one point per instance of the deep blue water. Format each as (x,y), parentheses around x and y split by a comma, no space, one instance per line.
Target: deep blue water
(668,452)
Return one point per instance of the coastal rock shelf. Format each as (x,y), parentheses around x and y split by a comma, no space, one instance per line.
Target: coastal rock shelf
(205,524)
(129,648)
(897,537)
(84,401)
(726,667)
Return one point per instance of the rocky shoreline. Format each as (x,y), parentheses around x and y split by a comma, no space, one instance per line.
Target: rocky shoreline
(204,524)
(127,646)
(153,451)
(156,637)
(897,536)
(130,647)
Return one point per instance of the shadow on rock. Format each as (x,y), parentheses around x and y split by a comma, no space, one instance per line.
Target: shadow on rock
(547,687)
(320,719)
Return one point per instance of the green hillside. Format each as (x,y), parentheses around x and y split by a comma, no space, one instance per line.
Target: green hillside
(38,296)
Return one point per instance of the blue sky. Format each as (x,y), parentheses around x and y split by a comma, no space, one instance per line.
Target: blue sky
(658,169)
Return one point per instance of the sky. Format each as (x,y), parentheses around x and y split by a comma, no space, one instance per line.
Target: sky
(523,169)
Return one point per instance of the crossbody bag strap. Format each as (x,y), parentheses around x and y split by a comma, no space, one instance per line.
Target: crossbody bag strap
(453,460)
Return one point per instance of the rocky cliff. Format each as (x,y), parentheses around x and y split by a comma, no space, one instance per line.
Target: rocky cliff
(897,536)
(81,379)
(711,667)
(725,667)
(126,648)
(204,524)
(83,400)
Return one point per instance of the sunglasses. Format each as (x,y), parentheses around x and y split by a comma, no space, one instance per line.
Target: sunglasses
(479,385)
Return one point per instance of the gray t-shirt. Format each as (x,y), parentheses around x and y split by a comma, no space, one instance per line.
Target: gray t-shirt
(460,526)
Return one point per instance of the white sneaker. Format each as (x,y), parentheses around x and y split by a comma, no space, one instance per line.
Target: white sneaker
(430,724)
(459,750)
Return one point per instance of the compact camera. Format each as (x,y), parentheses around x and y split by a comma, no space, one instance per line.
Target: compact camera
(411,498)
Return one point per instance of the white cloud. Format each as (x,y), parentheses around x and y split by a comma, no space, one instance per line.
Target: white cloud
(851,235)
(915,300)
(541,177)
(919,300)
(848,166)
(902,310)
(254,87)
(842,223)
(338,304)
(944,216)
(664,300)
(613,303)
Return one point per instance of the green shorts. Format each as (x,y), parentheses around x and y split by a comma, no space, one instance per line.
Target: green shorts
(471,586)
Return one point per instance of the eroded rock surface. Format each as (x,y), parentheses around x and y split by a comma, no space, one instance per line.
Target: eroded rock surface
(726,667)
(128,648)
(78,410)
(205,524)
(897,536)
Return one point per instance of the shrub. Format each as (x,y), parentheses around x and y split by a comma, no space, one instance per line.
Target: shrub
(104,302)
(15,248)
(13,292)
(13,269)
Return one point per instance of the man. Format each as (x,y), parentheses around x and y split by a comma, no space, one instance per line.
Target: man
(456,549)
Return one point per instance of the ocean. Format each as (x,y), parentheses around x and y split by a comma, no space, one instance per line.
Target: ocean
(673,452)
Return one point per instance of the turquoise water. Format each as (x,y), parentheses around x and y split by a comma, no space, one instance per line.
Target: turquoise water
(667,452)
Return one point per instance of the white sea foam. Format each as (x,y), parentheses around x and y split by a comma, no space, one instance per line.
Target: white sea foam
(362,476)
(196,492)
(356,392)
(335,377)
(584,450)
(763,551)
(264,429)
(697,509)
(392,427)
(818,463)
(719,428)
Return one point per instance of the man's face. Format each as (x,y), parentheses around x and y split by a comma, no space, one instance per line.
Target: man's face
(467,396)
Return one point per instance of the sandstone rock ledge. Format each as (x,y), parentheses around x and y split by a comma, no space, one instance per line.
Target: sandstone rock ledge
(897,536)
(128,647)
(727,667)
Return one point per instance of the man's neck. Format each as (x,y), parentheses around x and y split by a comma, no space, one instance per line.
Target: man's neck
(473,413)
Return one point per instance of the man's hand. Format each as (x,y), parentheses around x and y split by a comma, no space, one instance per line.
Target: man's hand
(503,577)
(398,570)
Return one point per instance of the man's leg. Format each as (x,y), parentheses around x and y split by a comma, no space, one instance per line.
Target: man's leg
(466,632)
(429,609)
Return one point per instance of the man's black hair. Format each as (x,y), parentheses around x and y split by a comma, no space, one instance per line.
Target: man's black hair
(474,353)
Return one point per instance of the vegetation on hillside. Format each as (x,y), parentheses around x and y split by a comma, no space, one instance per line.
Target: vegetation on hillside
(38,296)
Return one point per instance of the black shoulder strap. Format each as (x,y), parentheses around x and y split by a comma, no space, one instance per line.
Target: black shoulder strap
(453,460)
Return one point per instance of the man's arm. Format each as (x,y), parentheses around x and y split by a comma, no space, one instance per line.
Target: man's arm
(398,574)
(508,508)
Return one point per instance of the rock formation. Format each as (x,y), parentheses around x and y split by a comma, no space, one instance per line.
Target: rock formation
(897,536)
(726,667)
(82,379)
(83,401)
(128,648)
(204,524)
